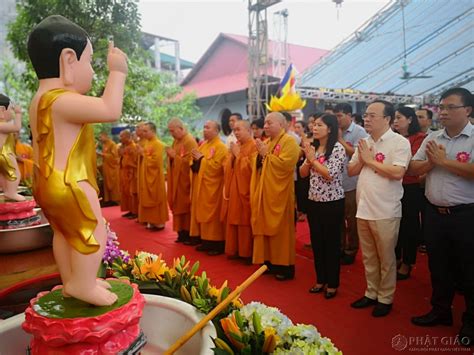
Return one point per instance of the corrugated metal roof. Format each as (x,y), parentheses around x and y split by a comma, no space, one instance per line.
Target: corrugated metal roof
(439,43)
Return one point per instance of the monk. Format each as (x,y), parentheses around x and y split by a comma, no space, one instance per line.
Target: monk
(273,199)
(24,158)
(128,184)
(235,212)
(179,178)
(110,169)
(207,184)
(152,205)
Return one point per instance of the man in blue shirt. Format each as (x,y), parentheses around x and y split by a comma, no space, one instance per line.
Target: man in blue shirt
(447,157)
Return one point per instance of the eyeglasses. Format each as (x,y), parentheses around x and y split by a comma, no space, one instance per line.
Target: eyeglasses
(449,107)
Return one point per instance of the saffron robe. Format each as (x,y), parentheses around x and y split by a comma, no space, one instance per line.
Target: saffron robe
(152,206)
(128,183)
(235,212)
(110,171)
(207,185)
(273,203)
(25,165)
(179,182)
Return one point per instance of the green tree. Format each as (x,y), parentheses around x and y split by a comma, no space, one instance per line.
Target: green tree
(149,95)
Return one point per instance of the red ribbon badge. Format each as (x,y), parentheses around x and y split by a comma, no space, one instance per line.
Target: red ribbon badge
(380,157)
(463,157)
(181,152)
(322,159)
(277,150)
(211,153)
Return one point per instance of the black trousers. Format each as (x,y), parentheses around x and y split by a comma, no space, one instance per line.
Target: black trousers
(410,228)
(325,222)
(450,244)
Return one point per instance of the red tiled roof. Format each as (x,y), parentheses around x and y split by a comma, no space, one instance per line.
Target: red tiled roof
(223,67)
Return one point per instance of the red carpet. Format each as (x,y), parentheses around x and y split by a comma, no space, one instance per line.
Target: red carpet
(353,331)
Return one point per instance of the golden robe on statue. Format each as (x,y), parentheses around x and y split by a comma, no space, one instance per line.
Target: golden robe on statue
(206,192)
(128,182)
(179,182)
(110,171)
(152,206)
(273,203)
(63,202)
(235,212)
(7,153)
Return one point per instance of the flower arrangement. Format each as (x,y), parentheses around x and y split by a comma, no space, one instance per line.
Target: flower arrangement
(259,329)
(253,328)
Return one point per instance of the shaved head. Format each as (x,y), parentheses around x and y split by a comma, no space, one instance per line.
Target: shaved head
(274,123)
(125,136)
(211,129)
(176,128)
(242,131)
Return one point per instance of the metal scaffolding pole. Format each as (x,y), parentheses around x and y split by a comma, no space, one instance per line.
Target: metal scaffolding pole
(258,57)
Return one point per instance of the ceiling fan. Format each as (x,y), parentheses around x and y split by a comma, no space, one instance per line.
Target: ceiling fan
(406,75)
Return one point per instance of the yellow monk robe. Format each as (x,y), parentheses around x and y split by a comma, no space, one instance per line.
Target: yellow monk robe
(24,153)
(110,171)
(128,183)
(179,182)
(206,189)
(152,206)
(140,145)
(236,205)
(273,203)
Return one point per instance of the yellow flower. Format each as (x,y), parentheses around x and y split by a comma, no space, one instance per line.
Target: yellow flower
(238,303)
(213,291)
(229,325)
(271,340)
(153,269)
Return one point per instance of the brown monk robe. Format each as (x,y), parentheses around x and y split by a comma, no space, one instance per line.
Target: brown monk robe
(207,184)
(152,208)
(179,177)
(273,199)
(128,165)
(24,158)
(235,212)
(110,169)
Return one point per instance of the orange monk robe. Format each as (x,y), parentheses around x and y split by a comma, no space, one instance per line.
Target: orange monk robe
(273,203)
(140,145)
(152,206)
(206,188)
(110,171)
(25,163)
(236,205)
(179,182)
(128,183)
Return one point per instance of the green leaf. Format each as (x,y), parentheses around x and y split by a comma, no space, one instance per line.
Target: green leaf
(195,268)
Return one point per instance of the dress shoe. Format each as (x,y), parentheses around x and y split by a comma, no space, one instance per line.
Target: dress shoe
(202,247)
(363,302)
(381,309)
(466,335)
(214,252)
(347,259)
(193,241)
(403,276)
(431,319)
(284,277)
(330,294)
(316,289)
(132,216)
(155,228)
(128,214)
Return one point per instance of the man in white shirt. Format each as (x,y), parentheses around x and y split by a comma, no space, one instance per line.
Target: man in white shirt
(380,161)
(231,138)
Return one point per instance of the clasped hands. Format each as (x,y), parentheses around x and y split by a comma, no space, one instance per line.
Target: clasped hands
(196,154)
(170,152)
(436,153)
(262,148)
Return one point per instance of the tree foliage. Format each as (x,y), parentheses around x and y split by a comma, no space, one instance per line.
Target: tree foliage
(149,95)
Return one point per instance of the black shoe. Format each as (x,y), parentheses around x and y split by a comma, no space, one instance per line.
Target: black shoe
(381,309)
(466,335)
(127,215)
(284,277)
(347,259)
(363,302)
(202,247)
(330,294)
(214,252)
(316,289)
(132,216)
(406,276)
(193,241)
(431,319)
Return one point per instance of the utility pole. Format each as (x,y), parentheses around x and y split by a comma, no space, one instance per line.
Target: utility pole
(258,56)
